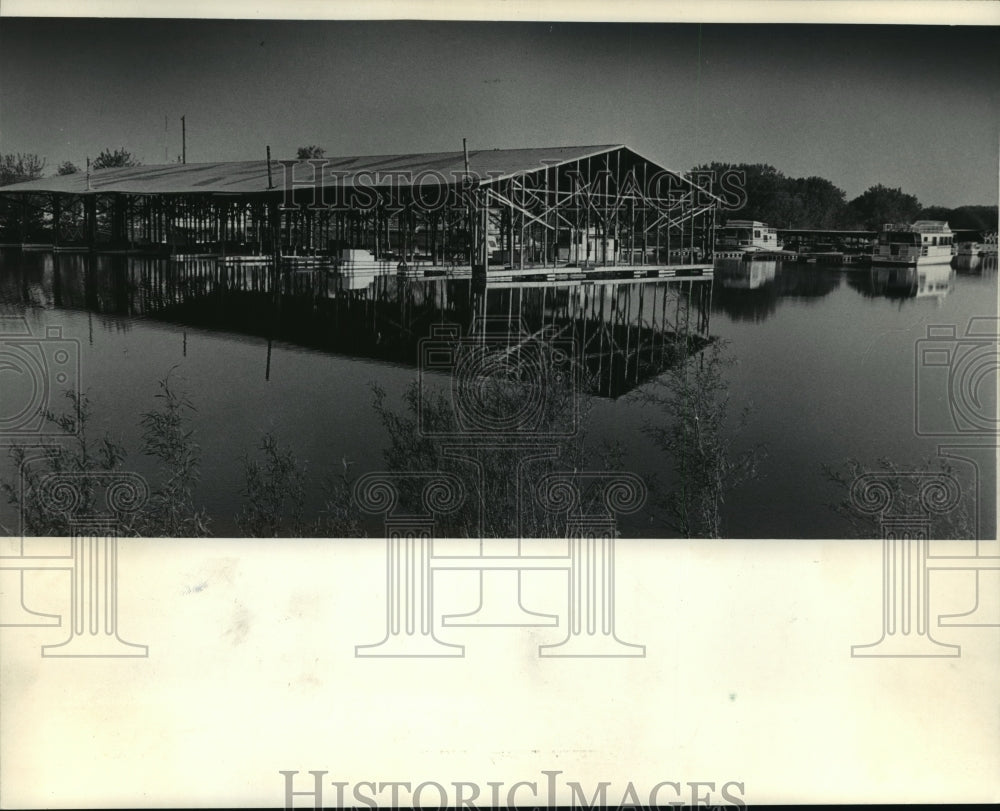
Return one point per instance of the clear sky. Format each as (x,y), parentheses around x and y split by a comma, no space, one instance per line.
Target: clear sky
(916,107)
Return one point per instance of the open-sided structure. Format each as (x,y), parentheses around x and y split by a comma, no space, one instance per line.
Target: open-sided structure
(582,206)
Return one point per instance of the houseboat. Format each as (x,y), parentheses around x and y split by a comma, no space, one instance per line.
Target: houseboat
(986,247)
(746,235)
(925,242)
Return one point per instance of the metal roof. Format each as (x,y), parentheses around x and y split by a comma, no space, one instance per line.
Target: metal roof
(243,177)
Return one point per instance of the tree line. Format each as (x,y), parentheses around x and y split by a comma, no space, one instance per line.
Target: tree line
(815,202)
(18,167)
(771,197)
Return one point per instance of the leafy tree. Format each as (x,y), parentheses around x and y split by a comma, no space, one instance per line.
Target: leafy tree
(982,218)
(768,199)
(110,160)
(881,204)
(820,204)
(19,167)
(935,213)
(306,152)
(68,168)
(973,218)
(811,202)
(694,427)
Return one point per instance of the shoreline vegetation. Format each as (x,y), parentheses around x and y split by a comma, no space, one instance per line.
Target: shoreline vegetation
(688,417)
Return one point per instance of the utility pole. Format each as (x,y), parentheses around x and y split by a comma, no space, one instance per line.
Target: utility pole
(184,151)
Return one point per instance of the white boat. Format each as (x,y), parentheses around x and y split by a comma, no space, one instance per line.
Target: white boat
(747,235)
(985,248)
(925,242)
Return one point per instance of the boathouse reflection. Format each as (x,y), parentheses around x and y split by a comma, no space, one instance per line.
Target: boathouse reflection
(623,328)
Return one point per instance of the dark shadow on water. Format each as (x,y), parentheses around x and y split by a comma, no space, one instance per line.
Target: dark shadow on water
(621,329)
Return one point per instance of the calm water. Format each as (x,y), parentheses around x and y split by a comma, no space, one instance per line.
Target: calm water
(827,357)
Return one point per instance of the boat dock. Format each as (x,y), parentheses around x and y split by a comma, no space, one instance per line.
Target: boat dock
(818,257)
(753,241)
(582,211)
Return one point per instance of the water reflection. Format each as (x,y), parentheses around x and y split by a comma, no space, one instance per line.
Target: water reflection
(979,264)
(932,282)
(623,329)
(752,290)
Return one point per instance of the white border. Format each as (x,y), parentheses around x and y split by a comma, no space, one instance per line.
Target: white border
(899,12)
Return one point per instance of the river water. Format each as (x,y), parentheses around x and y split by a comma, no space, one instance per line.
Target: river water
(833,362)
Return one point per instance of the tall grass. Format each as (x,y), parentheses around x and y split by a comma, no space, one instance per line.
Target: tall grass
(77,454)
(167,435)
(274,493)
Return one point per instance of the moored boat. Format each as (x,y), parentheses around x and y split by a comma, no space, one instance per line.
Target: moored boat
(747,235)
(924,242)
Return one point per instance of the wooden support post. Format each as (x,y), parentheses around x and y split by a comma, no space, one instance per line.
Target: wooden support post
(117,220)
(23,217)
(56,218)
(90,220)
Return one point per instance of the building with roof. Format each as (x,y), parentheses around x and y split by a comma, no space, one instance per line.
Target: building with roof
(579,206)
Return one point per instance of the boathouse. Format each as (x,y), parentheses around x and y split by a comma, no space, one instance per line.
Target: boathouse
(579,206)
